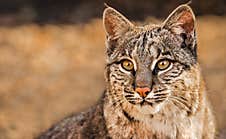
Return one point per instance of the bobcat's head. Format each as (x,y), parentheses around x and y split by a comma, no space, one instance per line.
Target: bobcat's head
(152,66)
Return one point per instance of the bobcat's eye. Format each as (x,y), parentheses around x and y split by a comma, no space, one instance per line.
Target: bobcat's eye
(127,65)
(163,64)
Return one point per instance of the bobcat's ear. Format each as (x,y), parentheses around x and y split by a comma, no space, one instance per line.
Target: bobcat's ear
(115,24)
(181,20)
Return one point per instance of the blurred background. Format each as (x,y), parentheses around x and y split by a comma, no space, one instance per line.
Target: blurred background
(52,57)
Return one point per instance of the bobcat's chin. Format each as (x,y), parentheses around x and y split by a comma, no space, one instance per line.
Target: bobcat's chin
(146,108)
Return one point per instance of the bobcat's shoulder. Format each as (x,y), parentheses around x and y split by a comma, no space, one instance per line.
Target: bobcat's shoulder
(85,125)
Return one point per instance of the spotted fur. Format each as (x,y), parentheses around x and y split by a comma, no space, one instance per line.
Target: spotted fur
(176,107)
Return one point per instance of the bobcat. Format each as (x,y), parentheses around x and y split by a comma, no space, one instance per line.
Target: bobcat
(154,86)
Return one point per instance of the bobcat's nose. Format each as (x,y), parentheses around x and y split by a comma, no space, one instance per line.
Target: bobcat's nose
(143,92)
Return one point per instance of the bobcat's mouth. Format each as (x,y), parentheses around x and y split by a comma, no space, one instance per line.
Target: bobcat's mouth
(144,102)
(148,105)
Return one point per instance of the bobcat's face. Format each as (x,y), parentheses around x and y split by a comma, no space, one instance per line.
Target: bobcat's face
(152,65)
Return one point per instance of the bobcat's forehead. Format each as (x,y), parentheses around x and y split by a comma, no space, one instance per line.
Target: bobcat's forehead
(145,44)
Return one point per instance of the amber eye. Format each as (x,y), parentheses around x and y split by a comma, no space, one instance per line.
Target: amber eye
(127,65)
(163,64)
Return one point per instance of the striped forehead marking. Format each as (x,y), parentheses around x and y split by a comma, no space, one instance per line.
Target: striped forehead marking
(146,47)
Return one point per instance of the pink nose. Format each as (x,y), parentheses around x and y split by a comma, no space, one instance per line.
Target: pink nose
(143,92)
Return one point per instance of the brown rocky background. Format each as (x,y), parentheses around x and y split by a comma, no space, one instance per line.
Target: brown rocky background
(52,59)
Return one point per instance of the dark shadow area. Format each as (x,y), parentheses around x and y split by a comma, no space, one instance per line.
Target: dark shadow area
(76,11)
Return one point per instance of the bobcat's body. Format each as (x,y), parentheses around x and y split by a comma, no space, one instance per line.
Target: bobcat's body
(154,86)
